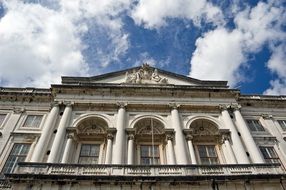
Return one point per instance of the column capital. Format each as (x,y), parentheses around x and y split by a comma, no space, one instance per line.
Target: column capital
(224,107)
(121,104)
(189,137)
(174,105)
(68,103)
(55,104)
(109,136)
(266,116)
(19,110)
(235,107)
(131,136)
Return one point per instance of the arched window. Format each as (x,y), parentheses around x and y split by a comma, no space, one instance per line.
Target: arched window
(150,138)
(206,138)
(91,136)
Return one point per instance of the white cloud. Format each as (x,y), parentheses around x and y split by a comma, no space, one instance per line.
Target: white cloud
(39,44)
(277,87)
(153,14)
(221,54)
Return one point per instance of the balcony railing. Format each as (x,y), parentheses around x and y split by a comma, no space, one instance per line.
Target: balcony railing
(71,170)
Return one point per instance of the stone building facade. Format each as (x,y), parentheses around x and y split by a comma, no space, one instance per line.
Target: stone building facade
(141,128)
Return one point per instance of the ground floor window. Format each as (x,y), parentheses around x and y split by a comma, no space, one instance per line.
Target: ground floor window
(89,154)
(149,154)
(207,154)
(18,154)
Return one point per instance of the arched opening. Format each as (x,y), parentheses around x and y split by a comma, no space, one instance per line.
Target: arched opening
(150,138)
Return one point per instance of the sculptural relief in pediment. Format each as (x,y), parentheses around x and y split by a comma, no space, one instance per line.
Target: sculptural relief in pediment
(145,75)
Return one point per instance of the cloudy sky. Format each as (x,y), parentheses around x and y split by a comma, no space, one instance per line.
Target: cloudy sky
(241,41)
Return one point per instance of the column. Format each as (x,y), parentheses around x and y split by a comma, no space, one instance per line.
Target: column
(61,131)
(189,139)
(130,158)
(247,137)
(47,131)
(109,149)
(120,135)
(229,150)
(67,150)
(171,155)
(240,153)
(180,147)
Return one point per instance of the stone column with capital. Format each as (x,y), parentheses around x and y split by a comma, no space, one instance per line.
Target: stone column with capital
(180,143)
(61,131)
(171,160)
(237,145)
(41,147)
(249,142)
(119,145)
(130,158)
(108,156)
(189,139)
(68,149)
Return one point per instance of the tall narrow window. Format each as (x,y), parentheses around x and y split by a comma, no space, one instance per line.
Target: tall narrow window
(254,125)
(269,154)
(207,154)
(89,154)
(33,121)
(18,154)
(2,118)
(149,154)
(282,124)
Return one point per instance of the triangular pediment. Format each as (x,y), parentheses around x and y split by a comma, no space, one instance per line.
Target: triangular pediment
(142,75)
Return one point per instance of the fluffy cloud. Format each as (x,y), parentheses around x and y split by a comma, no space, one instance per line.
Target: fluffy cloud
(153,14)
(221,54)
(38,43)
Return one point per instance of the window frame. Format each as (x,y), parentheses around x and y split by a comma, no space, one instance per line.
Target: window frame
(17,156)
(284,124)
(101,154)
(198,157)
(272,158)
(6,115)
(160,151)
(39,123)
(255,124)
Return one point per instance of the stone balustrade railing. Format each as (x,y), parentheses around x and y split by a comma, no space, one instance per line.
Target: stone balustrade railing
(149,171)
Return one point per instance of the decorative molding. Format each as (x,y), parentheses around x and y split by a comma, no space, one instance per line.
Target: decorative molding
(174,105)
(121,104)
(145,74)
(266,116)
(18,110)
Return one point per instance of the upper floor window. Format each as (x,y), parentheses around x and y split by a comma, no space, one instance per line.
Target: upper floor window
(2,118)
(282,124)
(18,154)
(207,154)
(269,154)
(254,125)
(149,154)
(33,121)
(89,154)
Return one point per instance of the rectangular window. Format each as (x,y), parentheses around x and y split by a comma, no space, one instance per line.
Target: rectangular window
(33,121)
(282,124)
(254,125)
(2,118)
(207,154)
(89,154)
(18,154)
(149,154)
(269,154)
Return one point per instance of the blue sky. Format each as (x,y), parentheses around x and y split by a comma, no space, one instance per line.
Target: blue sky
(243,42)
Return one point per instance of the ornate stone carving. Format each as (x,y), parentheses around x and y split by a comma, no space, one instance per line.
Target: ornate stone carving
(19,110)
(144,75)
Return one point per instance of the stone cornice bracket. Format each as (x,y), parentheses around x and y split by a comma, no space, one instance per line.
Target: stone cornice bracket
(18,110)
(174,105)
(110,136)
(121,104)
(225,135)
(55,103)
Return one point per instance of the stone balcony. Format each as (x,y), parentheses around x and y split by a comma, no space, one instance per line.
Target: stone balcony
(106,173)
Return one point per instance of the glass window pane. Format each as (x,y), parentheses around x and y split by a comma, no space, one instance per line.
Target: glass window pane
(207,154)
(147,157)
(2,117)
(33,121)
(18,154)
(89,154)
(282,124)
